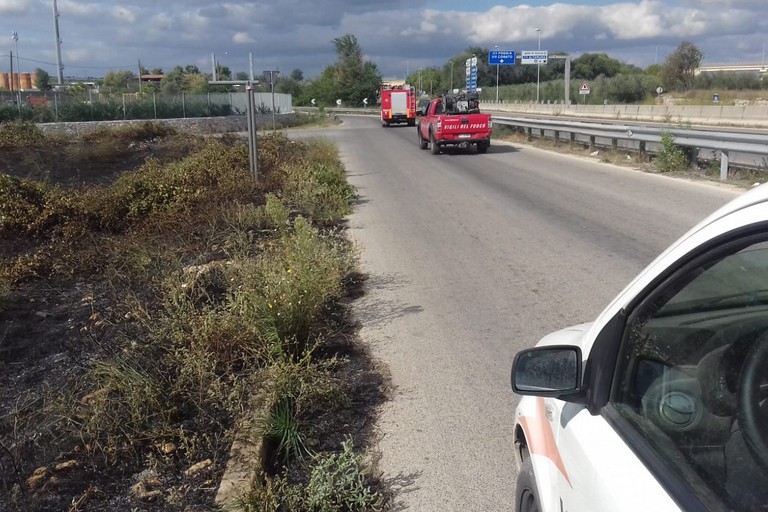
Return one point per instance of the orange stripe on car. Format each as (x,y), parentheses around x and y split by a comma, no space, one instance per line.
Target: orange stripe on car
(541,439)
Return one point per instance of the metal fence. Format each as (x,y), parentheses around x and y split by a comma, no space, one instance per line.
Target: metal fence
(643,138)
(92,106)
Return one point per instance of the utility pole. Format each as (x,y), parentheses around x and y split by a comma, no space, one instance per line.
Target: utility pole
(567,59)
(538,68)
(272,74)
(497,77)
(59,67)
(18,66)
(11,77)
(139,75)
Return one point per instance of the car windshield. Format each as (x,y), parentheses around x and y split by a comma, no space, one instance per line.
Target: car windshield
(735,282)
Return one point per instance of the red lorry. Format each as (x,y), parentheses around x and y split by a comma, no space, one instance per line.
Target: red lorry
(398,105)
(454,119)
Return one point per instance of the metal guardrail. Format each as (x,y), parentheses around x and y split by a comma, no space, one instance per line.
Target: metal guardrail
(639,136)
(724,142)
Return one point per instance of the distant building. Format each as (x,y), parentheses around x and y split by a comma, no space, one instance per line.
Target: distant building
(152,78)
(392,82)
(16,81)
(731,68)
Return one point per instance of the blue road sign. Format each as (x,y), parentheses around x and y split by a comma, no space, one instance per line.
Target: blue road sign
(501,57)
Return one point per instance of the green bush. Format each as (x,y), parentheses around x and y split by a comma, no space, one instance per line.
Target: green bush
(670,158)
(22,135)
(337,483)
(294,281)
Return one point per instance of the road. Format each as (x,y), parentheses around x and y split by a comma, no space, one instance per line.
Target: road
(471,258)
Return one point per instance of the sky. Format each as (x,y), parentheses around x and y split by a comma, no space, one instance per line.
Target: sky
(399,36)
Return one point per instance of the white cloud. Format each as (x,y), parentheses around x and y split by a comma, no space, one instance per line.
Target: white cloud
(123,15)
(12,6)
(242,38)
(396,35)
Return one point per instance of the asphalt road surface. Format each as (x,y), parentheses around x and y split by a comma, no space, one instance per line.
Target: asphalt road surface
(471,258)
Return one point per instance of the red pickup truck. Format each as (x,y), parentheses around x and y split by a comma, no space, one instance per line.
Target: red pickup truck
(454,120)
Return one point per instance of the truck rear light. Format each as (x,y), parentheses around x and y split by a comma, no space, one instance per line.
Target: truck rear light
(490,123)
(439,124)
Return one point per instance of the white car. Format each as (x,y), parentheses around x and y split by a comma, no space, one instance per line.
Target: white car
(661,403)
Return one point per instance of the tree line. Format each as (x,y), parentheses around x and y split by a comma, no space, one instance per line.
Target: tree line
(352,79)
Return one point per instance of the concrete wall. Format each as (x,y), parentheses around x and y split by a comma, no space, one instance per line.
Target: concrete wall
(199,125)
(726,115)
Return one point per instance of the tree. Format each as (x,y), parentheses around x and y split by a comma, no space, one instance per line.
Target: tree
(352,79)
(591,65)
(288,86)
(42,80)
(242,75)
(680,66)
(116,81)
(432,81)
(626,88)
(297,75)
(157,71)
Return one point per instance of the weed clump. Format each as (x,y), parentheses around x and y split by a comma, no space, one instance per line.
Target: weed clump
(670,158)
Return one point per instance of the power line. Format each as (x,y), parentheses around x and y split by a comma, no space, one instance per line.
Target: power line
(75,65)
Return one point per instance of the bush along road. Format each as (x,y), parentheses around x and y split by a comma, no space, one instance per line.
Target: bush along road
(158,303)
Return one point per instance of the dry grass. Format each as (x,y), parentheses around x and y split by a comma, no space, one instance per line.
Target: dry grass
(172,296)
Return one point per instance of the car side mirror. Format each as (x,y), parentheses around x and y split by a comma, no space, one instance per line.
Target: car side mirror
(550,371)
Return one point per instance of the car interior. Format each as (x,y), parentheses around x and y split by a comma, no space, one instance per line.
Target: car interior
(695,383)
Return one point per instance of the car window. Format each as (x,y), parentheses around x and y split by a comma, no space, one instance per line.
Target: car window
(692,378)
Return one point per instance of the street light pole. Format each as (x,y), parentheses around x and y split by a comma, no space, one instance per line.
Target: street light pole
(538,68)
(419,81)
(497,77)
(18,67)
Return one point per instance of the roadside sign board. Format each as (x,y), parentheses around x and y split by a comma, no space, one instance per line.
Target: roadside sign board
(534,57)
(501,57)
(471,81)
(584,89)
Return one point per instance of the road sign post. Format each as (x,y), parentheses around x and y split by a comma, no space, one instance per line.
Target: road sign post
(534,57)
(471,65)
(503,57)
(584,90)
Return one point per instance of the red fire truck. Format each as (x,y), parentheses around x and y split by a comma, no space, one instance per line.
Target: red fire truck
(398,105)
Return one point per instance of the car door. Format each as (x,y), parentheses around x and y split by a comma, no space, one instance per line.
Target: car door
(672,413)
(690,391)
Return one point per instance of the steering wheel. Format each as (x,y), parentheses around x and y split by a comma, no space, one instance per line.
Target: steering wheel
(753,400)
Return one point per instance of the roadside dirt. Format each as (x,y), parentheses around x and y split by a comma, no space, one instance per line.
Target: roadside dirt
(51,327)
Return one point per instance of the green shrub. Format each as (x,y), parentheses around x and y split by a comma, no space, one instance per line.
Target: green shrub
(216,170)
(317,184)
(337,483)
(133,132)
(22,136)
(670,158)
(282,427)
(294,281)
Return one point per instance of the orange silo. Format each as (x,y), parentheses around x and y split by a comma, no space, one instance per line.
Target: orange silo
(4,83)
(25,81)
